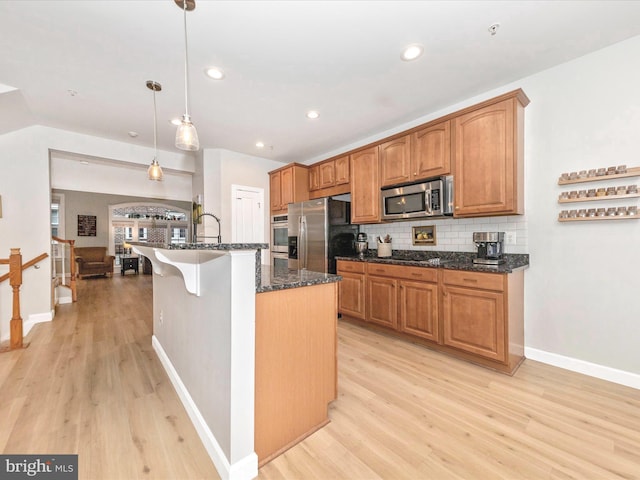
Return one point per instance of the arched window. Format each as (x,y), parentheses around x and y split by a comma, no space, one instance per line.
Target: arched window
(146,222)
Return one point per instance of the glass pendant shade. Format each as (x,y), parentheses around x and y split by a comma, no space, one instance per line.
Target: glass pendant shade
(187,135)
(155,171)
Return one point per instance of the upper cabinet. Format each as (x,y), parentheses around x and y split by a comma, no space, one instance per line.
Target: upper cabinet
(287,185)
(422,154)
(488,158)
(365,186)
(329,177)
(431,151)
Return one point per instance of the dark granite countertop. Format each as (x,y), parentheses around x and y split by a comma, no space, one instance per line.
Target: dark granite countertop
(448,260)
(204,246)
(284,278)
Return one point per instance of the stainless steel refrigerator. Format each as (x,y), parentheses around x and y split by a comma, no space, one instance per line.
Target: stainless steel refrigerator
(320,230)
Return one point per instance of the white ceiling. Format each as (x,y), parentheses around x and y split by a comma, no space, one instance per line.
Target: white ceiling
(281,58)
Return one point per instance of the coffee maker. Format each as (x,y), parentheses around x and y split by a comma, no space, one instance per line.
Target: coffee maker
(490,247)
(361,244)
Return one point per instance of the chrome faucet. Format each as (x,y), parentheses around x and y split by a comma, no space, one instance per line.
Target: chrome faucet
(194,239)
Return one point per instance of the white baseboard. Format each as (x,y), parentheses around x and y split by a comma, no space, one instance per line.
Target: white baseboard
(28,324)
(244,469)
(622,377)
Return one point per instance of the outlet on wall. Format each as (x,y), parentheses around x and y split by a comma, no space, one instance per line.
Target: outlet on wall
(160,317)
(509,238)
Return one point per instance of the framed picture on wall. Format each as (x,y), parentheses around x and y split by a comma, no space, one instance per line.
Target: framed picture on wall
(87,225)
(424,235)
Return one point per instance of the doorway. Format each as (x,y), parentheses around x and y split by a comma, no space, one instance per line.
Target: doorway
(247,213)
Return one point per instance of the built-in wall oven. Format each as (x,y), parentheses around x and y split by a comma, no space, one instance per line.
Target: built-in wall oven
(279,241)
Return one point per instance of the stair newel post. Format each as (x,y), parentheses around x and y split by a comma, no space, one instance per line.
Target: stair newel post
(72,270)
(15,280)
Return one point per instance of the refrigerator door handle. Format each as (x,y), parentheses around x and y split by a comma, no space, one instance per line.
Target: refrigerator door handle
(302,246)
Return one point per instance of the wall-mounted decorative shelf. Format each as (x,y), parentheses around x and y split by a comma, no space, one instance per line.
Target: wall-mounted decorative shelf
(589,219)
(631,172)
(595,199)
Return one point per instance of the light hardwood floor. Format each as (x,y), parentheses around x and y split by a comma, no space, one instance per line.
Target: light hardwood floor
(91,384)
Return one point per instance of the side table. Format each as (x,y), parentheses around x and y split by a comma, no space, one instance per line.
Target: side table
(129,262)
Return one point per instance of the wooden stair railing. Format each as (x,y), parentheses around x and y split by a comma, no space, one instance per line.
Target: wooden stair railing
(15,280)
(72,267)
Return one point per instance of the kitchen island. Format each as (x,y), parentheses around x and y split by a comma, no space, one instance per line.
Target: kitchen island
(250,351)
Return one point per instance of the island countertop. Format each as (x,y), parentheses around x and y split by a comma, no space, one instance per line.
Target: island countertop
(284,278)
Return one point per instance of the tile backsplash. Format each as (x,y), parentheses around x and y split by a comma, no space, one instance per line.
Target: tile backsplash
(452,234)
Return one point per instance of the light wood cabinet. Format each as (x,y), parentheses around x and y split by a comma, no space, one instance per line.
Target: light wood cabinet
(431,151)
(365,186)
(423,154)
(419,309)
(351,296)
(395,161)
(382,301)
(342,170)
(287,185)
(474,315)
(483,315)
(488,159)
(314,178)
(327,174)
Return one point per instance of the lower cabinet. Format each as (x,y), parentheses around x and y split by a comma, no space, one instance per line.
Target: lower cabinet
(474,315)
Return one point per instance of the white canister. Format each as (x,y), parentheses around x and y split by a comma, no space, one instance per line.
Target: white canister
(384,249)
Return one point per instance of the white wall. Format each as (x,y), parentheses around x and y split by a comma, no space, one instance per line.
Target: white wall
(24,187)
(223,168)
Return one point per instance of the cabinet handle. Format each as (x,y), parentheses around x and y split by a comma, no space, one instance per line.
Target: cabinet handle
(379,270)
(416,274)
(457,207)
(472,280)
(445,293)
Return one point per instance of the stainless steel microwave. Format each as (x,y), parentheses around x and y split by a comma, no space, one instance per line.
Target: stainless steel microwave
(431,198)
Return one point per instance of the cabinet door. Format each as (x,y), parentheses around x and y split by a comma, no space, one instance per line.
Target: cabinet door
(286,187)
(314,178)
(474,321)
(395,161)
(327,174)
(431,151)
(419,309)
(342,170)
(382,304)
(365,186)
(351,294)
(275,191)
(485,161)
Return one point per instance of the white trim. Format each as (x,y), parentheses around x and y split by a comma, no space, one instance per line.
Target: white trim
(244,469)
(621,377)
(28,324)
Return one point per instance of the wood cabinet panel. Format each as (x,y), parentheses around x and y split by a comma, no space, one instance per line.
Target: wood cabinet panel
(488,160)
(395,161)
(355,267)
(314,178)
(399,271)
(382,303)
(327,174)
(419,309)
(431,151)
(351,297)
(486,281)
(474,321)
(342,170)
(365,186)
(287,185)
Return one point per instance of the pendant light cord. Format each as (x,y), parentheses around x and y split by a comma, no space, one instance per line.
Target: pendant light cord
(155,128)
(186,60)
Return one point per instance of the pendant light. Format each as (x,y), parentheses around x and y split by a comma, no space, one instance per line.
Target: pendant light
(155,171)
(186,135)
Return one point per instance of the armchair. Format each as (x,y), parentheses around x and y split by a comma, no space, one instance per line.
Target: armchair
(94,261)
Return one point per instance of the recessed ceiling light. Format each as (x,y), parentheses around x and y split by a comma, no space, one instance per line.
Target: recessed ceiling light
(312,114)
(215,73)
(493,29)
(411,52)
(175,121)
(259,144)
(133,134)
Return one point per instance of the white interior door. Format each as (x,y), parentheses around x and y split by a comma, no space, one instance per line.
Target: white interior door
(248,215)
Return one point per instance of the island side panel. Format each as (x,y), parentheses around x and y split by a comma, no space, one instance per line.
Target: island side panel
(296,365)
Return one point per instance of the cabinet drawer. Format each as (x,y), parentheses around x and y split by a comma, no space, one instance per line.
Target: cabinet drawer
(356,267)
(485,281)
(423,274)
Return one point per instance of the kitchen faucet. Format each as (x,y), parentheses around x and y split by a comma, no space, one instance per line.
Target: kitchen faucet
(194,239)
